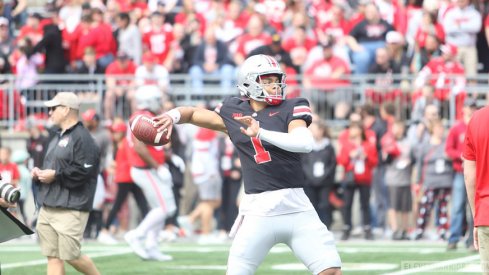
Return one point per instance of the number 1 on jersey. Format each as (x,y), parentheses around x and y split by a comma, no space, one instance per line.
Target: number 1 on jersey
(261,155)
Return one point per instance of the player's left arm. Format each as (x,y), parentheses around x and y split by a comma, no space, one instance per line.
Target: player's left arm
(298,139)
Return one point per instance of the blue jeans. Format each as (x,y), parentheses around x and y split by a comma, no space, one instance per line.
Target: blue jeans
(363,59)
(459,201)
(225,73)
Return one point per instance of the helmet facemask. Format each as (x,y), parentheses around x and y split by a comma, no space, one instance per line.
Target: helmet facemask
(266,84)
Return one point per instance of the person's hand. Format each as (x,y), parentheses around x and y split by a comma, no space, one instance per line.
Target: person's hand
(5,204)
(162,122)
(46,176)
(35,173)
(252,126)
(476,239)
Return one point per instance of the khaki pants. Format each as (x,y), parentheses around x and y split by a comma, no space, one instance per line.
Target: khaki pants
(60,232)
(483,235)
(468,57)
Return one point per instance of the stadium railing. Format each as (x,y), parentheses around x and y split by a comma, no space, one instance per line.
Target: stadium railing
(332,102)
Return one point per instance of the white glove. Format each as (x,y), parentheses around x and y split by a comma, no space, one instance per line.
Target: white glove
(164,174)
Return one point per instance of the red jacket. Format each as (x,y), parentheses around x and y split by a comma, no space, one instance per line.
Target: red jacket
(371,160)
(454,145)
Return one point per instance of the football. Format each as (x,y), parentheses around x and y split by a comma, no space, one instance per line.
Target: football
(143,128)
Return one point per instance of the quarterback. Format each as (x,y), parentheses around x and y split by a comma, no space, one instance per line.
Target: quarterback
(269,134)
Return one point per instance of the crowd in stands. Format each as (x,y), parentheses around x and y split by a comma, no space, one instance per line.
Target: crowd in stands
(402,172)
(441,42)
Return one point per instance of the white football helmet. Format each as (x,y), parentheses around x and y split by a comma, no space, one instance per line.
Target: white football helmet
(148,97)
(252,69)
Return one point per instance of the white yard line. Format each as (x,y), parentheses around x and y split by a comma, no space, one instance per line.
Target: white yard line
(44,261)
(427,267)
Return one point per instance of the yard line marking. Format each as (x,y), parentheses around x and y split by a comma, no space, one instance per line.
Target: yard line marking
(44,261)
(442,264)
(196,267)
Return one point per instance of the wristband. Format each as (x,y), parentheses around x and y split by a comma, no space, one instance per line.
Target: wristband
(175,115)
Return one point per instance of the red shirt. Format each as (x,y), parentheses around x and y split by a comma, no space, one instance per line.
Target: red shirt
(246,43)
(158,42)
(371,160)
(115,68)
(455,144)
(320,71)
(343,137)
(155,151)
(10,173)
(476,146)
(122,165)
(35,34)
(421,35)
(444,76)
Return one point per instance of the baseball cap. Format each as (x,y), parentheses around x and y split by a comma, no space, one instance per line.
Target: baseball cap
(122,55)
(394,37)
(90,114)
(449,49)
(67,99)
(119,127)
(4,21)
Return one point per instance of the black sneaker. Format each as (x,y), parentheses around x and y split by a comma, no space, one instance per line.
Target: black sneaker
(346,235)
(369,235)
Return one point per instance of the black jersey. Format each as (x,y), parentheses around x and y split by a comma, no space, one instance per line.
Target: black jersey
(266,167)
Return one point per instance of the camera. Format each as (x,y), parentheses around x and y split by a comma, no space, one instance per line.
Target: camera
(9,193)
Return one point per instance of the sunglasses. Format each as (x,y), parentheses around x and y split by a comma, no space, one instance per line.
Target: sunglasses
(52,109)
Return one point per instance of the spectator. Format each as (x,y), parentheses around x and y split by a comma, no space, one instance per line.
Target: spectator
(32,29)
(358,158)
(129,38)
(454,149)
(435,177)
(51,46)
(298,45)
(120,86)
(36,147)
(67,188)
(276,50)
(206,175)
(211,58)
(233,22)
(252,39)
(103,41)
(399,158)
(395,48)
(230,165)
(462,23)
(183,46)
(70,15)
(26,69)
(447,76)
(419,132)
(89,68)
(20,158)
(158,40)
(124,183)
(429,26)
(476,179)
(328,74)
(6,41)
(319,168)
(151,73)
(422,56)
(366,37)
(15,12)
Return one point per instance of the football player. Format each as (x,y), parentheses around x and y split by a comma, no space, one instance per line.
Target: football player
(151,174)
(269,132)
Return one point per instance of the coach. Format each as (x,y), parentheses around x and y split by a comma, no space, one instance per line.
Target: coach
(67,183)
(476,174)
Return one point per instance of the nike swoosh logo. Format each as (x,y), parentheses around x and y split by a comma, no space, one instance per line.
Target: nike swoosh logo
(87,165)
(273,113)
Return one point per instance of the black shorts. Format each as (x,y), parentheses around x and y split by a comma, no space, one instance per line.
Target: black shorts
(400,198)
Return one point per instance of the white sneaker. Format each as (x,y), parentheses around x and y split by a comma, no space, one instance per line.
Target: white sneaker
(155,255)
(167,236)
(106,238)
(136,244)
(186,225)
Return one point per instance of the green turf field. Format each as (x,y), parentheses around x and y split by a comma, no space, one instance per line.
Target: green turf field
(359,257)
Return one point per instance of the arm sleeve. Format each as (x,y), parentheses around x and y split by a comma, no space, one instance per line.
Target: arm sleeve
(299,140)
(84,165)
